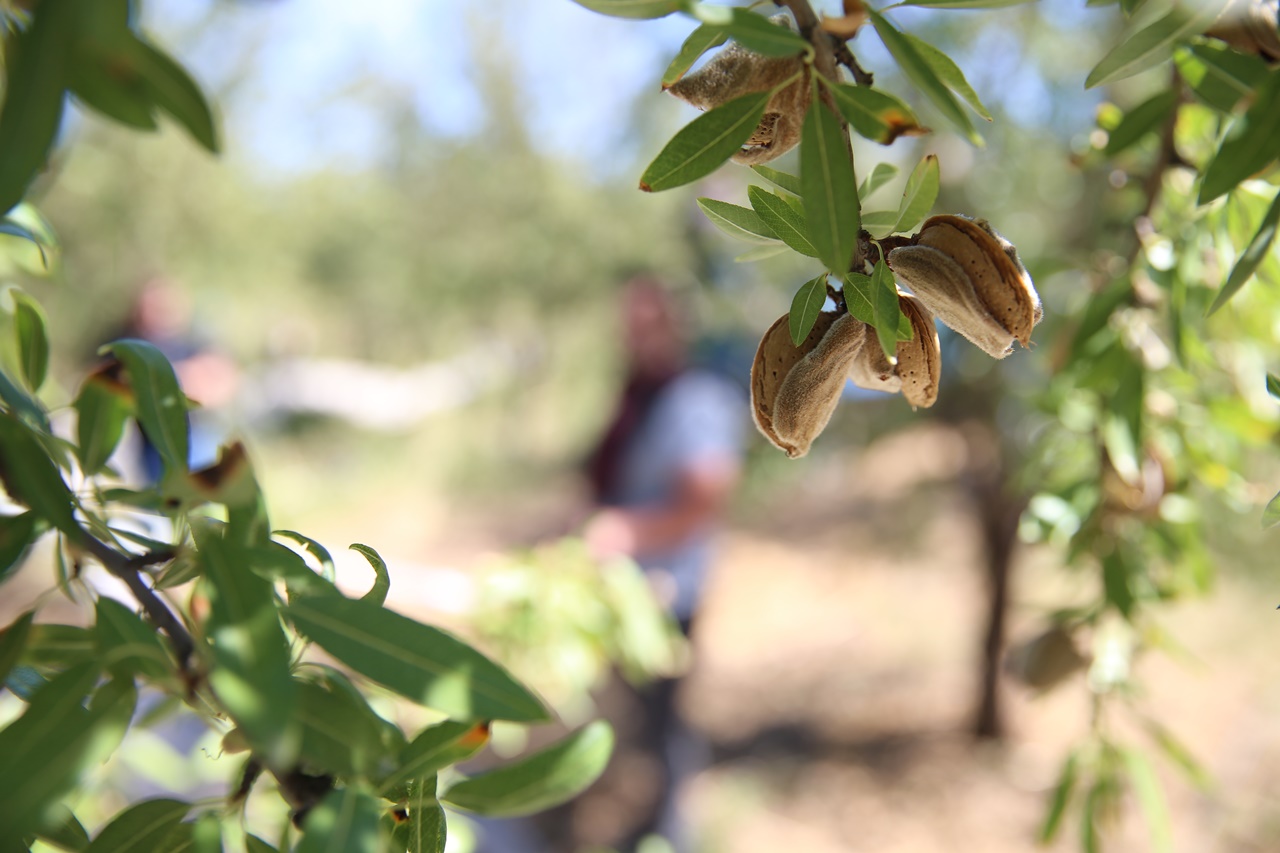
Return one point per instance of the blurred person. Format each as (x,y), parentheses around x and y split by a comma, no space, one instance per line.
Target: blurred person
(661,477)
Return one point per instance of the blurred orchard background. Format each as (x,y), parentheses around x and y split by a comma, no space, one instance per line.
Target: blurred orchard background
(410,250)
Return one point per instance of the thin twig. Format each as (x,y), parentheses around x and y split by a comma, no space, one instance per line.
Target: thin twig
(127,569)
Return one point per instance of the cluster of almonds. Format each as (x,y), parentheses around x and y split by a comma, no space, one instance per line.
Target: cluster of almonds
(959,270)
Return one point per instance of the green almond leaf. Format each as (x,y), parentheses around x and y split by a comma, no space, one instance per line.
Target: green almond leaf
(1140,121)
(315,549)
(751,30)
(254,844)
(634,8)
(1220,76)
(63,830)
(874,114)
(880,175)
(346,821)
(425,829)
(17,532)
(1273,385)
(31,477)
(542,780)
(126,645)
(964,4)
(761,252)
(36,59)
(382,580)
(13,641)
(782,219)
(160,405)
(790,183)
(417,661)
(140,828)
(1116,582)
(859,299)
(923,76)
(830,189)
(920,194)
(33,339)
(1153,44)
(886,309)
(13,228)
(22,404)
(742,223)
(102,407)
(206,835)
(1271,515)
(1249,260)
(1252,143)
(1059,799)
(250,651)
(171,88)
(701,146)
(1151,796)
(54,646)
(435,748)
(1176,752)
(699,42)
(805,307)
(339,736)
(880,222)
(108,82)
(949,73)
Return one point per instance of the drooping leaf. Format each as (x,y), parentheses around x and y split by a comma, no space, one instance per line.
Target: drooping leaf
(540,781)
(382,579)
(31,477)
(923,76)
(1143,119)
(171,88)
(315,549)
(790,183)
(1252,143)
(830,189)
(1060,798)
(1141,50)
(751,30)
(13,640)
(880,175)
(160,406)
(949,73)
(36,62)
(739,222)
(634,8)
(1220,76)
(701,146)
(874,114)
(805,307)
(699,42)
(1251,258)
(920,194)
(126,645)
(1151,797)
(141,828)
(33,339)
(887,311)
(103,75)
(102,407)
(17,532)
(782,219)
(418,661)
(424,830)
(434,748)
(346,821)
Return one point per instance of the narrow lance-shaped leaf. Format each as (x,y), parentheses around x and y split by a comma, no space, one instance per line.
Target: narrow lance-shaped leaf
(1220,76)
(1271,515)
(782,219)
(790,183)
(1249,260)
(63,830)
(102,407)
(31,478)
(424,830)
(346,820)
(873,114)
(752,30)
(805,307)
(13,640)
(742,223)
(1147,786)
(1152,44)
(33,339)
(542,780)
(141,828)
(1140,121)
(434,748)
(923,76)
(315,549)
(888,311)
(339,736)
(701,146)
(172,89)
(949,73)
(880,175)
(1059,799)
(17,532)
(830,189)
(634,8)
(859,299)
(417,661)
(382,579)
(126,645)
(161,407)
(1273,385)
(920,194)
(1252,143)
(699,42)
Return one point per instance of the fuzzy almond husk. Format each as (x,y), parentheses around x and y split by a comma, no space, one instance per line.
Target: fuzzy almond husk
(737,71)
(795,389)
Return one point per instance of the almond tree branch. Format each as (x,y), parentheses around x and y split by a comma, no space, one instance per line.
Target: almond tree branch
(127,569)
